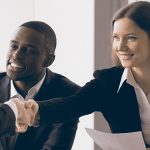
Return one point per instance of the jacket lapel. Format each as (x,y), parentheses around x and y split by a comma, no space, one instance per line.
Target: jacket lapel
(4,89)
(128,101)
(48,87)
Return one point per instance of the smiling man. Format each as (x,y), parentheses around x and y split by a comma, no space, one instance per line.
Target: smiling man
(31,51)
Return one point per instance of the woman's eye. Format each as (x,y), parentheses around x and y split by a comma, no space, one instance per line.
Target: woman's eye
(132,38)
(115,37)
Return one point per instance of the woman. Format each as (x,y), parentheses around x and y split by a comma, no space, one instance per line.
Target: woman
(121,93)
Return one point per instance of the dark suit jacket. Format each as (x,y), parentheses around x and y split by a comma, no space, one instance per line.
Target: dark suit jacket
(100,94)
(7,121)
(58,136)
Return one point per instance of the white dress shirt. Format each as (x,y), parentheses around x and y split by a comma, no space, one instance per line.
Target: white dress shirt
(143,102)
(31,93)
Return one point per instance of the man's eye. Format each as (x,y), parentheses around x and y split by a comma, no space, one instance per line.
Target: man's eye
(13,46)
(31,50)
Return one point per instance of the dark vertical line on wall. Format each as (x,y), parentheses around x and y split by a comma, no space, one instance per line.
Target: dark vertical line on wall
(104,9)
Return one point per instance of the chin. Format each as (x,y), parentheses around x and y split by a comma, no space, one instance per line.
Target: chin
(127,65)
(12,75)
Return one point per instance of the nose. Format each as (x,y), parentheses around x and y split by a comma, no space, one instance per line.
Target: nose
(18,53)
(122,45)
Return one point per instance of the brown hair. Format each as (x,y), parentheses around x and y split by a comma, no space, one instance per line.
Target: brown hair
(139,13)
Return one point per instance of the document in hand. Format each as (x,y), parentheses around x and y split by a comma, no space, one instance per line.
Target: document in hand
(121,141)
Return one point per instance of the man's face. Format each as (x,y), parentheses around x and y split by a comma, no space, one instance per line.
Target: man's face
(26,55)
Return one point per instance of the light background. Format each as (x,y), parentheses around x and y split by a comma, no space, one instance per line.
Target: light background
(83,42)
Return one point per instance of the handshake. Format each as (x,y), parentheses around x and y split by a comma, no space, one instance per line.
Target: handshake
(26,113)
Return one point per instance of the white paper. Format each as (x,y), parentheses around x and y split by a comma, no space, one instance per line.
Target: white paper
(122,141)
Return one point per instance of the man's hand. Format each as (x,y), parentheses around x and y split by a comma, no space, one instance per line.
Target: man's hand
(26,113)
(31,104)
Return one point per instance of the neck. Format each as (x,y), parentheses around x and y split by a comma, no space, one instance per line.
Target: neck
(142,77)
(23,86)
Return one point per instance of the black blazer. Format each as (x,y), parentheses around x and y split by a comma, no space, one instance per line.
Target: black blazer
(58,136)
(7,121)
(100,94)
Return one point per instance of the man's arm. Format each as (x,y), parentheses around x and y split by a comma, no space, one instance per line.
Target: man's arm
(14,116)
(7,120)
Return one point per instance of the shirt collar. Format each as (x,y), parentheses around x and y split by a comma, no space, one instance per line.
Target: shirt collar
(128,77)
(36,87)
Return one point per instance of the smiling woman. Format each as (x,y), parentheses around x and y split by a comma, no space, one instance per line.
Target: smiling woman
(131,44)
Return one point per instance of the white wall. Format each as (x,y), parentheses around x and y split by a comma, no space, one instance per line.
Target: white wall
(73,22)
(12,14)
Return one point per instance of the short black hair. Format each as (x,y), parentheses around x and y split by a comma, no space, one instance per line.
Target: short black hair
(46,30)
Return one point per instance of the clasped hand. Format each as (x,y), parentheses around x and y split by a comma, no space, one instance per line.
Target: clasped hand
(27,111)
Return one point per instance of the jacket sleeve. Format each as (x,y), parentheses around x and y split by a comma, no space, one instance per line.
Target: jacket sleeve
(62,136)
(7,121)
(91,97)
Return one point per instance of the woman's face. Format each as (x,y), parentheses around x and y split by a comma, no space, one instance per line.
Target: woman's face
(131,44)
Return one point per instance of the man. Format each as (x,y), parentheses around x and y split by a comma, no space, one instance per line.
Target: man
(31,51)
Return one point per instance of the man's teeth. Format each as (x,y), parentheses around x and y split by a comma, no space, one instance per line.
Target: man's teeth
(16,65)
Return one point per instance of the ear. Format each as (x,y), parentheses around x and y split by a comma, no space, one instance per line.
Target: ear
(49,60)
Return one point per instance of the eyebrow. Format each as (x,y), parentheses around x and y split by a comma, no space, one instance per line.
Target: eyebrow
(28,44)
(13,41)
(31,45)
(126,34)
